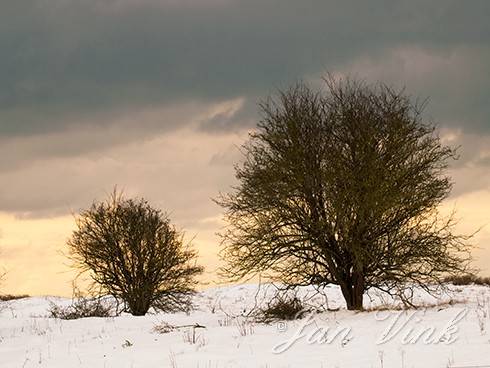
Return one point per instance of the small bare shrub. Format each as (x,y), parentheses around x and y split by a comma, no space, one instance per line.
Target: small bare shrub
(9,297)
(226,321)
(482,314)
(283,306)
(245,327)
(82,307)
(163,328)
(468,279)
(192,337)
(189,334)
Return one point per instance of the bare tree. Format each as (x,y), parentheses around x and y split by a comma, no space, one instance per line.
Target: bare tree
(133,253)
(343,186)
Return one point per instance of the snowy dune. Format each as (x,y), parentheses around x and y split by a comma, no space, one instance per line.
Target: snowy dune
(452,331)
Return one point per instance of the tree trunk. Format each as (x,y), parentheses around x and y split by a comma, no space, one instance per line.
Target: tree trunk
(353,292)
(139,306)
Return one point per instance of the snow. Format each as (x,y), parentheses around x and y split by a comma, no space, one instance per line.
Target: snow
(459,322)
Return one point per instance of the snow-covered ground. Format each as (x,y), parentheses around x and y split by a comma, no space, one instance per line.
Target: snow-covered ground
(453,334)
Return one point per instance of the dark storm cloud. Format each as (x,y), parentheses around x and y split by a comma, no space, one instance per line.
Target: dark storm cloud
(81,81)
(65,59)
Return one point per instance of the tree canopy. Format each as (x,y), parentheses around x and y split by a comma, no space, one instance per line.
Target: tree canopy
(132,252)
(343,186)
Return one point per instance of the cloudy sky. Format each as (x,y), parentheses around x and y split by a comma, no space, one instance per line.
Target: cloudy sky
(156,95)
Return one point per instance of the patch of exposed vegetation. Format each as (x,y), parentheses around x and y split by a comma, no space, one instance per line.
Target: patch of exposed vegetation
(468,279)
(9,297)
(83,308)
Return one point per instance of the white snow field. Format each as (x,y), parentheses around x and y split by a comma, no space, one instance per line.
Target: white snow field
(451,331)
